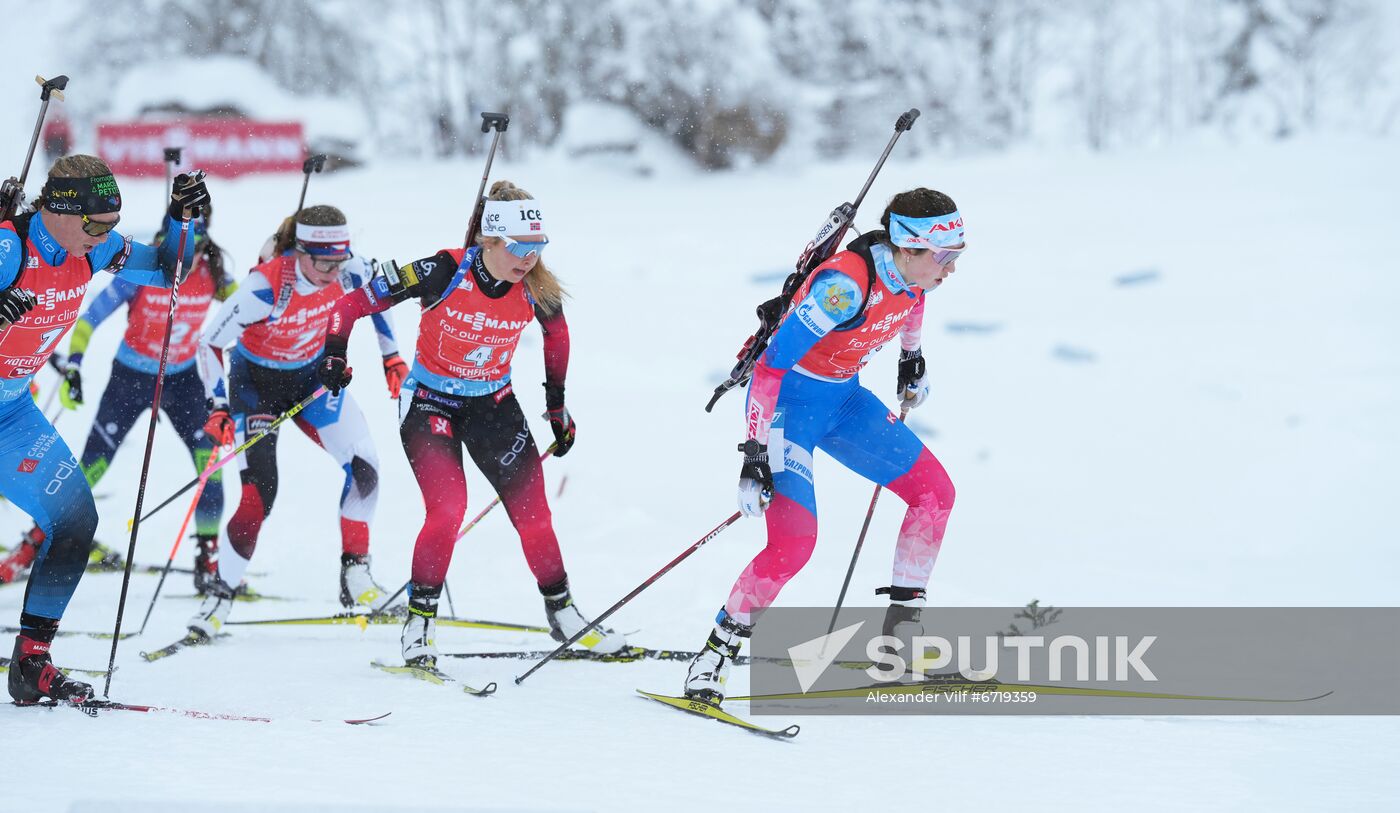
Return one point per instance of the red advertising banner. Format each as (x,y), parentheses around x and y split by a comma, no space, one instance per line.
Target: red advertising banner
(227,147)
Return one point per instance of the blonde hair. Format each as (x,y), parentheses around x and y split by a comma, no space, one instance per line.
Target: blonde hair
(546,289)
(319,215)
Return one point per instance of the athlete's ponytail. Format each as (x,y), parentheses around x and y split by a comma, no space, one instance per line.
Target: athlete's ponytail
(546,289)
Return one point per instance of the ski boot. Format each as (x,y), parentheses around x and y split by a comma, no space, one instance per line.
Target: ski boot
(902,616)
(103,559)
(206,562)
(218,600)
(420,630)
(565,621)
(32,673)
(15,566)
(709,669)
(358,588)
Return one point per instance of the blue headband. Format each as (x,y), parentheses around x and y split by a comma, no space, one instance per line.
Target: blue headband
(943,231)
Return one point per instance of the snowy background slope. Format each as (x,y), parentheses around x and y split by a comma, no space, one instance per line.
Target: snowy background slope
(1218,432)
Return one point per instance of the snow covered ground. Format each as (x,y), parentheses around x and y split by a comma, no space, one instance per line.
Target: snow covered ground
(1161,378)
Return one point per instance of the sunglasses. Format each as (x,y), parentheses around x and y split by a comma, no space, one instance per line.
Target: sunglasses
(326,266)
(943,256)
(97,228)
(524,251)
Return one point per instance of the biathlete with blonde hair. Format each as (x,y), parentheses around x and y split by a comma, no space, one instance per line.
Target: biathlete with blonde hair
(476,304)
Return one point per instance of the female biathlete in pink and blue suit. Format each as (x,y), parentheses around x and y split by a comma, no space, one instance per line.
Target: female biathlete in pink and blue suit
(806,394)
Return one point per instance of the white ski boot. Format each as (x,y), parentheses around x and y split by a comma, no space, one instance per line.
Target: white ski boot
(565,621)
(358,589)
(218,600)
(419,639)
(709,669)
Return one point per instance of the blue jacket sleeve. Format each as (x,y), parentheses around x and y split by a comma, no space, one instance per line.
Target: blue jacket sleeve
(140,263)
(106,303)
(9,258)
(833,298)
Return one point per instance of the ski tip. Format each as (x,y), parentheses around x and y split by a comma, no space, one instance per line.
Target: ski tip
(490,689)
(368,720)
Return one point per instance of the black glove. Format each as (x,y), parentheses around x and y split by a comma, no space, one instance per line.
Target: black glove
(756,464)
(70,392)
(755,479)
(913,387)
(560,421)
(187,195)
(15,303)
(911,368)
(334,373)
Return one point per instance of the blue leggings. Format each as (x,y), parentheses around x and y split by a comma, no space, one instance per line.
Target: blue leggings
(126,399)
(848,422)
(39,474)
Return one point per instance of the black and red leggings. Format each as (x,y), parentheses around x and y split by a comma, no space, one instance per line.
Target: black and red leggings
(434,429)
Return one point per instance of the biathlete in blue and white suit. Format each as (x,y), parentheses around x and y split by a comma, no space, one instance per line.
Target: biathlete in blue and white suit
(276,324)
(47,260)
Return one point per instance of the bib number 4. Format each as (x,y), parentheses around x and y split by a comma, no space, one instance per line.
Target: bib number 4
(481,356)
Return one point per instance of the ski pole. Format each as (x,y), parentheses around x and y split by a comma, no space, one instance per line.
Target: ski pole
(489,121)
(644,585)
(821,248)
(12,191)
(170,561)
(150,444)
(313,163)
(497,501)
(172,159)
(272,427)
(860,540)
(48,402)
(460,534)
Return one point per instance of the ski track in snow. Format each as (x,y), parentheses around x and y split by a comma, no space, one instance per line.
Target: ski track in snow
(1230,444)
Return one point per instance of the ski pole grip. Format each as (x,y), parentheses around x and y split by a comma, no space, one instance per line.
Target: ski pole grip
(495,121)
(906,119)
(54,86)
(313,163)
(172,155)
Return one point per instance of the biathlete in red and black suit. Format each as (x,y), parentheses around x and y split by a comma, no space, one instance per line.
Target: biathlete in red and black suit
(806,394)
(476,304)
(277,322)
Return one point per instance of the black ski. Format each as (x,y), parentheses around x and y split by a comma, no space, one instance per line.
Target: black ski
(631,654)
(105,636)
(6,663)
(93,708)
